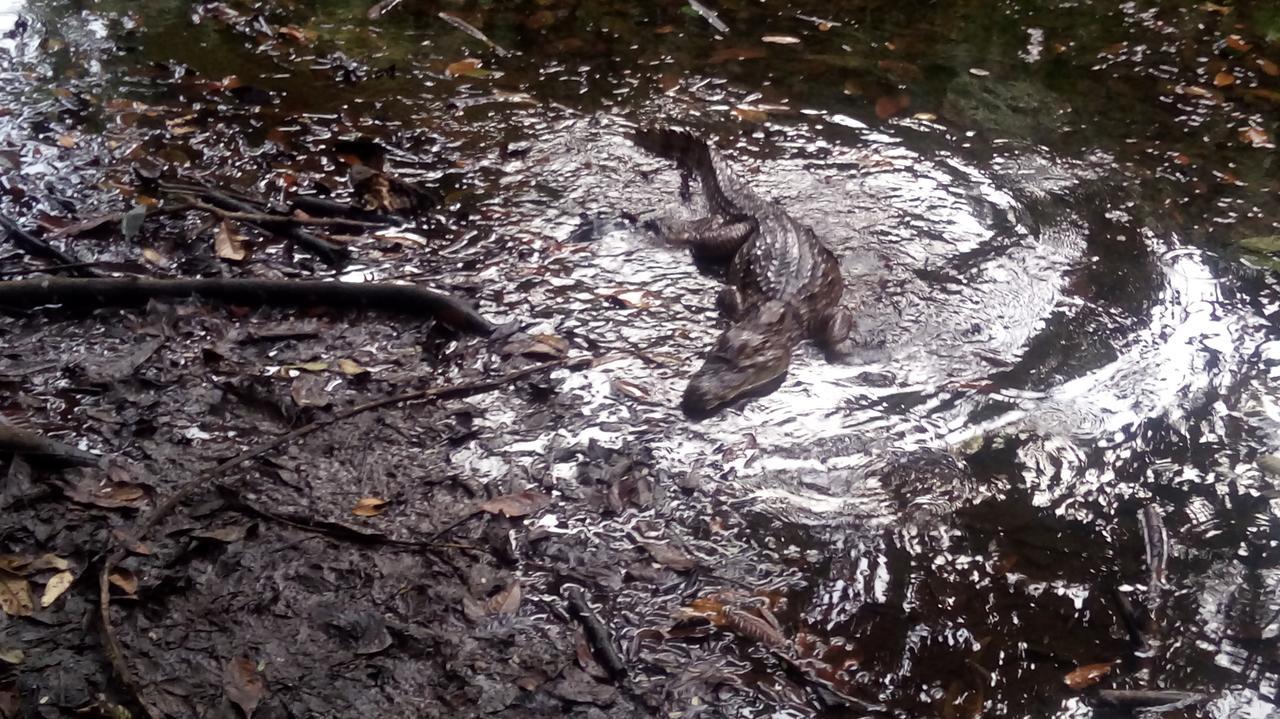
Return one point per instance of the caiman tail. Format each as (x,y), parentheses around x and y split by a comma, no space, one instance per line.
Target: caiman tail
(727,196)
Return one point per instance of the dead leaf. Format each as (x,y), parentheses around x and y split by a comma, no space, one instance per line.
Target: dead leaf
(154,257)
(781,39)
(67,141)
(54,588)
(229,244)
(852,88)
(244,685)
(901,71)
(226,535)
(466,67)
(1268,67)
(1237,43)
(1255,136)
(1215,8)
(11,656)
(541,345)
(297,34)
(516,505)
(126,580)
(15,595)
(1224,79)
(351,368)
(890,105)
(313,366)
(29,564)
(506,601)
(310,390)
(1087,675)
(729,54)
(108,495)
(669,556)
(369,507)
(748,114)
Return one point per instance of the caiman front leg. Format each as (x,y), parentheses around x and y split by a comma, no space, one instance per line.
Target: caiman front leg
(731,303)
(834,327)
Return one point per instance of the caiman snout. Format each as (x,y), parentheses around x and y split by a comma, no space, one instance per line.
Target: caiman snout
(750,359)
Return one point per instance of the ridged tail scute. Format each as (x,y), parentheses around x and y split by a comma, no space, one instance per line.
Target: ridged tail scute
(679,146)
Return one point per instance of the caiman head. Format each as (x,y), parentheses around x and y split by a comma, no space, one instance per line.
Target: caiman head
(749,360)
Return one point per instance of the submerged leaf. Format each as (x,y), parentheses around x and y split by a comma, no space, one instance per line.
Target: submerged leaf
(244,685)
(15,595)
(516,505)
(1087,675)
(369,507)
(229,244)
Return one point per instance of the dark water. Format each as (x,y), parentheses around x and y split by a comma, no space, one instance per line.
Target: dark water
(1048,215)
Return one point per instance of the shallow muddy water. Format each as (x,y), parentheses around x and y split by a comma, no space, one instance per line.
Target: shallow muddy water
(1049,217)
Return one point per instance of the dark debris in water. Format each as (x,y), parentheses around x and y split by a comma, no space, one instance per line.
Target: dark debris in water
(1045,485)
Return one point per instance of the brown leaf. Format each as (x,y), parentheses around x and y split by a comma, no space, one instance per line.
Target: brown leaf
(1087,675)
(668,555)
(226,535)
(1216,8)
(729,54)
(244,685)
(310,390)
(1223,79)
(890,105)
(506,601)
(15,595)
(1255,136)
(67,140)
(369,507)
(229,244)
(126,580)
(466,67)
(351,368)
(516,505)
(1268,67)
(749,114)
(109,495)
(54,588)
(542,345)
(1237,43)
(901,71)
(297,34)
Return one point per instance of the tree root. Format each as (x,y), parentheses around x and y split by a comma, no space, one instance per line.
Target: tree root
(96,292)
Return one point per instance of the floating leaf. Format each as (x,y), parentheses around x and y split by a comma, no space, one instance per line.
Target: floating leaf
(126,580)
(131,222)
(1255,136)
(516,505)
(244,685)
(749,114)
(11,655)
(108,495)
(154,257)
(1268,67)
(466,67)
(369,507)
(1087,675)
(229,244)
(351,368)
(890,105)
(1224,79)
(1237,43)
(67,140)
(54,588)
(297,34)
(15,595)
(781,39)
(669,556)
(506,601)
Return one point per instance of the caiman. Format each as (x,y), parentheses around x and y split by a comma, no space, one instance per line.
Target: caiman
(784,284)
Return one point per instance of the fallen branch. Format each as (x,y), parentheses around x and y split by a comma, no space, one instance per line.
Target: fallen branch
(328,252)
(320,207)
(42,449)
(36,247)
(259,218)
(598,635)
(387,297)
(111,643)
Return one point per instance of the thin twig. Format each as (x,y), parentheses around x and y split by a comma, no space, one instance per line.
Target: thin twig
(264,217)
(111,643)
